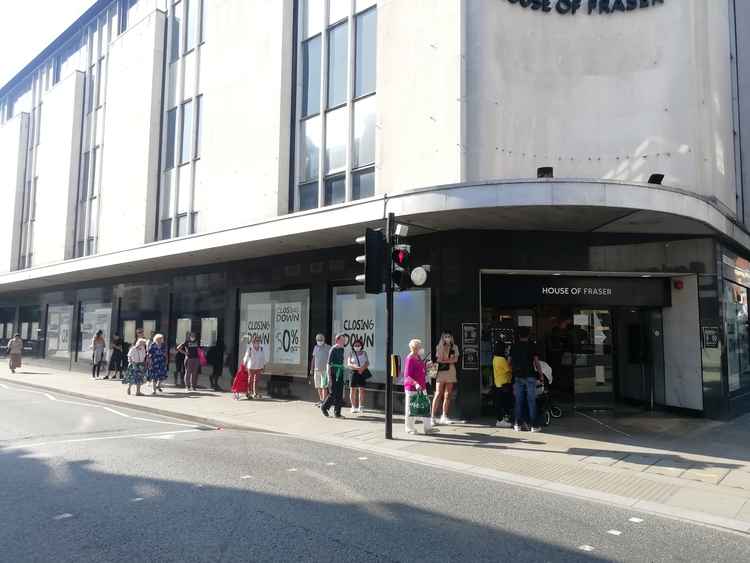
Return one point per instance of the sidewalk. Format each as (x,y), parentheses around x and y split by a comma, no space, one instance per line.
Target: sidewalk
(685,468)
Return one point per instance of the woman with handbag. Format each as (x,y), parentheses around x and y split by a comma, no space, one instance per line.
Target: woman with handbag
(416,401)
(359,364)
(446,356)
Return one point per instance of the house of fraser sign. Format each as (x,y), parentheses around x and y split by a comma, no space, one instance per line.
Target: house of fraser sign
(590,7)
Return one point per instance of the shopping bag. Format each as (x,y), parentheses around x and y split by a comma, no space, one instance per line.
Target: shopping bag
(202,357)
(419,404)
(239,385)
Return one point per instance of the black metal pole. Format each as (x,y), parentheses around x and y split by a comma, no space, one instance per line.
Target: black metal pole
(390,229)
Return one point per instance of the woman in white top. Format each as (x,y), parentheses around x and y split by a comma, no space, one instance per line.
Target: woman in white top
(137,365)
(255,362)
(358,363)
(446,356)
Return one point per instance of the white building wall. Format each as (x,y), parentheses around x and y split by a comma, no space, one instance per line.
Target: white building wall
(617,96)
(245,79)
(419,89)
(57,161)
(131,136)
(13,138)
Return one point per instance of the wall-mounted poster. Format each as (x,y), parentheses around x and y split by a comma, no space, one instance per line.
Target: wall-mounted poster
(281,320)
(287,327)
(94,317)
(470,346)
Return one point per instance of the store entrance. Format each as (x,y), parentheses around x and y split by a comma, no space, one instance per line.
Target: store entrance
(602,358)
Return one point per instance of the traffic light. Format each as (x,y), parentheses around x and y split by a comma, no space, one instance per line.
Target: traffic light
(373,260)
(401,257)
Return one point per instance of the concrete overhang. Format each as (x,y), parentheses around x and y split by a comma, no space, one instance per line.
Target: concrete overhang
(534,205)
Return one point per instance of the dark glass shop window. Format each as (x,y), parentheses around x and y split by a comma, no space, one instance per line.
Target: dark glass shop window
(335,190)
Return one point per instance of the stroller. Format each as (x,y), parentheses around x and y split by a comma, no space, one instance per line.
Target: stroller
(545,407)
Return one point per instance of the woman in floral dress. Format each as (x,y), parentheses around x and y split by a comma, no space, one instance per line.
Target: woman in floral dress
(137,365)
(157,363)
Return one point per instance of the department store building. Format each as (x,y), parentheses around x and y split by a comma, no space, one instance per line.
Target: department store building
(577,168)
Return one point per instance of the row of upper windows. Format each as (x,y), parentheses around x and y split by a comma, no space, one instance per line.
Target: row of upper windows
(78,53)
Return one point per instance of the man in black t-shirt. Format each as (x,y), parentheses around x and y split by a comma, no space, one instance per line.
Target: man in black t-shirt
(524,361)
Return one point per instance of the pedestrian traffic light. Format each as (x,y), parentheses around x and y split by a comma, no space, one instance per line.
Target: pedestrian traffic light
(373,260)
(401,256)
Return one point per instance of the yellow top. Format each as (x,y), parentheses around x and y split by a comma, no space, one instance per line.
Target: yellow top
(502,371)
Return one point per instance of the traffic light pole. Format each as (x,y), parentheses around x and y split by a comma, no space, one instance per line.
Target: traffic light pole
(390,229)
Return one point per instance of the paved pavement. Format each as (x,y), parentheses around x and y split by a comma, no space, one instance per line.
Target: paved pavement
(683,468)
(87,481)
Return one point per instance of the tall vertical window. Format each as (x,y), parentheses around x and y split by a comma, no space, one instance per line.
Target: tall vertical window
(335,141)
(183,121)
(187,131)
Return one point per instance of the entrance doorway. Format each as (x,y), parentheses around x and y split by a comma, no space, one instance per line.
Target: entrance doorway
(602,358)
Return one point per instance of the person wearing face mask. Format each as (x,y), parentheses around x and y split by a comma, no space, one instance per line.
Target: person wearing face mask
(318,365)
(358,363)
(192,361)
(447,358)
(255,362)
(335,397)
(415,381)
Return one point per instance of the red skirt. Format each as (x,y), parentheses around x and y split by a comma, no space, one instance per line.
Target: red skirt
(239,385)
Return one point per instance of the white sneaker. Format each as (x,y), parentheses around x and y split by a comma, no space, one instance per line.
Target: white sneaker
(354,411)
(445,420)
(536,429)
(434,422)
(516,428)
(503,424)
(411,432)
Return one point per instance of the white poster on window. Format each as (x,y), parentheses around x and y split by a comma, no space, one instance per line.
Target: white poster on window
(359,322)
(287,328)
(96,317)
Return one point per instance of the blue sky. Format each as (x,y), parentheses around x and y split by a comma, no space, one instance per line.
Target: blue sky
(28,26)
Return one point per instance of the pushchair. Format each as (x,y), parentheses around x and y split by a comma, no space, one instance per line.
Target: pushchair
(545,408)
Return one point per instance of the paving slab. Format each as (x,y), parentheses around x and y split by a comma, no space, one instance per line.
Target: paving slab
(711,502)
(737,479)
(705,474)
(670,466)
(637,462)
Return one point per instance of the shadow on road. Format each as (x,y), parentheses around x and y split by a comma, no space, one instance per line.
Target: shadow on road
(52,510)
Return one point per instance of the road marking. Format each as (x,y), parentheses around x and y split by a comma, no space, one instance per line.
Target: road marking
(635,520)
(292,469)
(330,464)
(246,477)
(108,409)
(96,439)
(136,499)
(586,548)
(614,532)
(63,516)
(169,436)
(362,458)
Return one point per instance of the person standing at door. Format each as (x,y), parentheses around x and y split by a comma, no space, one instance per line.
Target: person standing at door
(524,362)
(502,388)
(192,361)
(98,349)
(446,356)
(335,397)
(116,358)
(15,351)
(318,364)
(179,365)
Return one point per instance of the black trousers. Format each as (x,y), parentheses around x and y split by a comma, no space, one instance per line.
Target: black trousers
(503,399)
(335,398)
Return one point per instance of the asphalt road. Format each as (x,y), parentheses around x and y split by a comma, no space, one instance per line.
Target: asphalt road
(87,482)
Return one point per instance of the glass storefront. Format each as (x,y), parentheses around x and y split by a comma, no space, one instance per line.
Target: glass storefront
(737,337)
(281,320)
(59,331)
(93,318)
(31,326)
(362,316)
